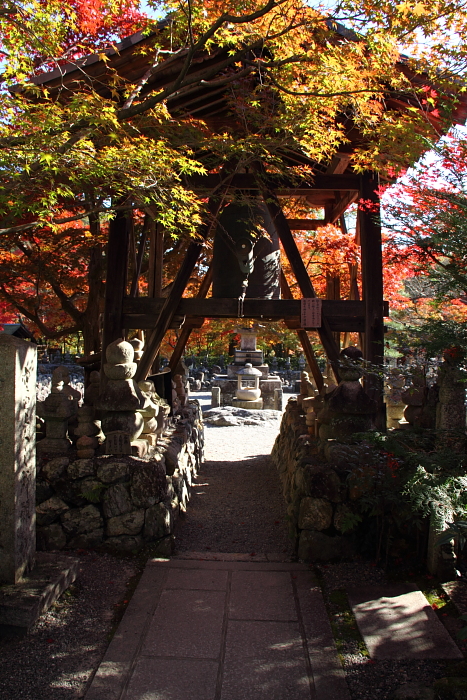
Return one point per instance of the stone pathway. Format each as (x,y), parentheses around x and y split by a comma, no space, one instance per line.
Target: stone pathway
(210,624)
(222,630)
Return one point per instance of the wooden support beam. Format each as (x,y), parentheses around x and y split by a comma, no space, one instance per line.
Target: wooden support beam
(297,264)
(342,315)
(116,279)
(305,224)
(338,164)
(372,285)
(282,185)
(190,323)
(139,256)
(304,339)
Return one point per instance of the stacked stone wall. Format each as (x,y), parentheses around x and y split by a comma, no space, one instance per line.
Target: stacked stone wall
(120,502)
(317,493)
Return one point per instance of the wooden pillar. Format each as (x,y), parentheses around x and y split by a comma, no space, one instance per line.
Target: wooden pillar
(116,281)
(369,220)
(156,260)
(333,291)
(139,254)
(372,270)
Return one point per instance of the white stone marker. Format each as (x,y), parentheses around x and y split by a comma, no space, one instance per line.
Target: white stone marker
(18,360)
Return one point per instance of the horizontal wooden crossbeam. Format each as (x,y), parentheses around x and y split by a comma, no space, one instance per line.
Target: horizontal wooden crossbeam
(343,315)
(281,185)
(305,224)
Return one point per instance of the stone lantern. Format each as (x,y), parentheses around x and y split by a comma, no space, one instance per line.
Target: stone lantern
(248,394)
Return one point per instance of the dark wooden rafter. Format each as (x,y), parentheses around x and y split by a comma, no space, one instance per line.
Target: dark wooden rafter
(303,338)
(282,185)
(296,262)
(339,164)
(117,271)
(191,322)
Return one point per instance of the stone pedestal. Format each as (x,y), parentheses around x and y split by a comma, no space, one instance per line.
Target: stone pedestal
(395,407)
(23,604)
(278,399)
(256,404)
(17,457)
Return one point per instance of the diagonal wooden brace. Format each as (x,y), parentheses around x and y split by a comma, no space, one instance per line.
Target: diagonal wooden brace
(297,264)
(187,328)
(303,338)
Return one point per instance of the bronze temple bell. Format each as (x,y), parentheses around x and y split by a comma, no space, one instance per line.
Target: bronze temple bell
(246,262)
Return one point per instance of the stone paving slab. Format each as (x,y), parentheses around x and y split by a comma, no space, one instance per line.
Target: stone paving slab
(190,633)
(265,661)
(262,595)
(397,622)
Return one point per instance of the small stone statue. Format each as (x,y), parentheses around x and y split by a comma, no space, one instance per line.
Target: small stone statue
(347,409)
(138,346)
(180,389)
(61,374)
(121,399)
(56,411)
(91,393)
(149,413)
(88,432)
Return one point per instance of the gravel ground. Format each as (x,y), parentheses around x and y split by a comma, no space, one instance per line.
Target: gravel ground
(237,504)
(56,660)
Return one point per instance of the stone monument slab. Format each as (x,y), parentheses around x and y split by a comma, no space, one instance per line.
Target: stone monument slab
(18,362)
(397,622)
(22,604)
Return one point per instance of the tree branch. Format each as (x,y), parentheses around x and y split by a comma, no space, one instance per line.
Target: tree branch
(34,317)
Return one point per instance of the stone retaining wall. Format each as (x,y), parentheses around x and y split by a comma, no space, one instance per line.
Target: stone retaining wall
(317,494)
(120,502)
